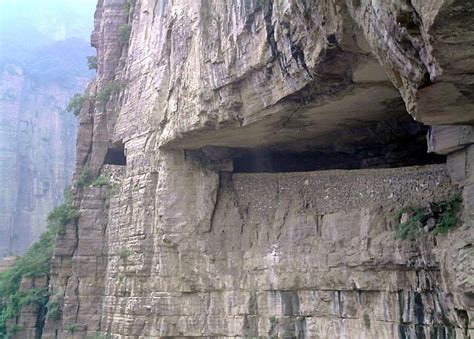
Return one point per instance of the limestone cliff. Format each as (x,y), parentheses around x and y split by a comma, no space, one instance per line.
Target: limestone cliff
(42,64)
(193,98)
(37,145)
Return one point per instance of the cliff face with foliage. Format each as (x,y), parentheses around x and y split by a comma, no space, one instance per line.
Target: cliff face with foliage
(251,158)
(42,64)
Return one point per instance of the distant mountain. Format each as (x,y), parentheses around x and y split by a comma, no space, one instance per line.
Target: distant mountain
(60,62)
(29,28)
(43,50)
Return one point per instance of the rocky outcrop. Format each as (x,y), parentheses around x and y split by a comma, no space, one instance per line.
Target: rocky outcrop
(185,246)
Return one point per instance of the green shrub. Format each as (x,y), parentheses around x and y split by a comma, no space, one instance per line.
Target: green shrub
(100,336)
(124,253)
(84,179)
(35,263)
(37,296)
(72,328)
(411,229)
(62,215)
(123,33)
(273,326)
(54,306)
(101,181)
(15,329)
(54,309)
(112,189)
(75,104)
(448,218)
(366,319)
(92,62)
(105,93)
(445,214)
(105,182)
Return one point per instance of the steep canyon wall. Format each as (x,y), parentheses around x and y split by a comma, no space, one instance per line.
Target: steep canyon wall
(42,65)
(179,244)
(37,155)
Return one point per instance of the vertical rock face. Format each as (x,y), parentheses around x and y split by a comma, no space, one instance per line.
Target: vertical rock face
(37,140)
(179,244)
(42,64)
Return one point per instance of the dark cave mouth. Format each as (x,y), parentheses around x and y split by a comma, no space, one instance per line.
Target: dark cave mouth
(269,161)
(387,144)
(116,155)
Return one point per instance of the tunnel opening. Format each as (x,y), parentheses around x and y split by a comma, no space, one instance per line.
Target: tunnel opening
(116,155)
(387,144)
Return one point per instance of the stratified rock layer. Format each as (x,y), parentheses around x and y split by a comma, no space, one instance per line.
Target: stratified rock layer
(308,254)
(183,247)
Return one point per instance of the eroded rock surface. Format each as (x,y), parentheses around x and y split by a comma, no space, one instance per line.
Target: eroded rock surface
(184,247)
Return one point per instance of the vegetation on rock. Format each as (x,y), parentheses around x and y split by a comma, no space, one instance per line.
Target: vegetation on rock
(84,179)
(123,34)
(124,253)
(75,104)
(62,215)
(101,181)
(106,92)
(92,62)
(436,219)
(54,308)
(34,264)
(104,181)
(72,328)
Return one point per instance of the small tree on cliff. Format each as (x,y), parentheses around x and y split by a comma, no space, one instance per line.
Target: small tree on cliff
(92,62)
(75,104)
(123,33)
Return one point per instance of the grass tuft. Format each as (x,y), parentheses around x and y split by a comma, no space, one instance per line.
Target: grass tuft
(445,214)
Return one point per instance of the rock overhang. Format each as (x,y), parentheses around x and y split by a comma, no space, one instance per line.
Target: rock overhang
(363,67)
(202,73)
(290,121)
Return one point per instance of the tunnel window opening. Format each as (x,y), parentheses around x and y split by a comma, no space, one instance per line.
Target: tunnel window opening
(384,145)
(272,162)
(116,155)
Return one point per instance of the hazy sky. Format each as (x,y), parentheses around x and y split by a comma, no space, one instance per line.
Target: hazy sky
(56,19)
(49,38)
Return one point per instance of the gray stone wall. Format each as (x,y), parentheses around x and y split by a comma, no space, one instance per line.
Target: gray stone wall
(187,249)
